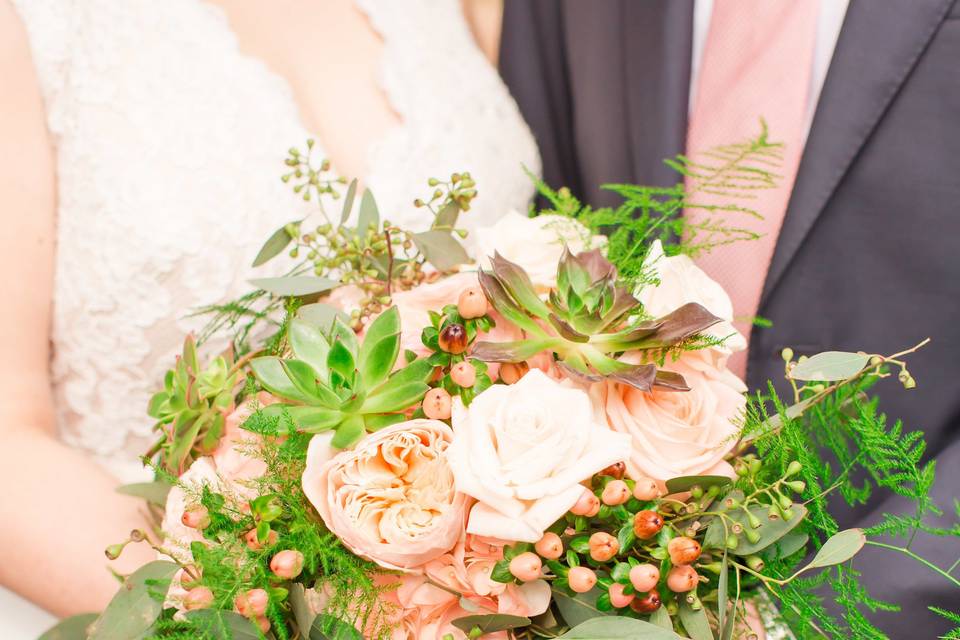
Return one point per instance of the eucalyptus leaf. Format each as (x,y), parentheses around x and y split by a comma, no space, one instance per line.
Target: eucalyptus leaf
(685,483)
(838,549)
(295,285)
(276,243)
(321,315)
(302,613)
(579,608)
(695,622)
(490,623)
(447,217)
(223,625)
(790,544)
(348,201)
(72,628)
(722,590)
(441,249)
(830,366)
(770,530)
(137,605)
(661,618)
(153,492)
(369,213)
(327,627)
(618,628)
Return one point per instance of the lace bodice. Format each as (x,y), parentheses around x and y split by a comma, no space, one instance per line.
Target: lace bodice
(170,144)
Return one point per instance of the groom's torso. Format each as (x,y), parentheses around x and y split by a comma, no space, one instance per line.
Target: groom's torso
(869,254)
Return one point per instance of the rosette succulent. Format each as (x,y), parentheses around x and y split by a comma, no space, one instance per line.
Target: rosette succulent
(334,382)
(587,321)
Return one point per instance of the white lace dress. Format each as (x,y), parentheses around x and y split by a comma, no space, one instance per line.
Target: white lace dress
(170,143)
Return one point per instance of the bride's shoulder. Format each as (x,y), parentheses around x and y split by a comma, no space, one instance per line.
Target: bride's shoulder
(46,29)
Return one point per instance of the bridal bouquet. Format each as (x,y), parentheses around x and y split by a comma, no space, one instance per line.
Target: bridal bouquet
(528,432)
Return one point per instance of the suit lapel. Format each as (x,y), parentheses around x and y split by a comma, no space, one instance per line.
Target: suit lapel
(878,47)
(657,41)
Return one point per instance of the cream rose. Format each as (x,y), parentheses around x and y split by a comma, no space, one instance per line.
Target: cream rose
(523,450)
(682,281)
(535,244)
(392,498)
(677,433)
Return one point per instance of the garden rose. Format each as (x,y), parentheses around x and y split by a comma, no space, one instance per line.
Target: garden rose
(682,281)
(392,498)
(177,535)
(523,450)
(535,244)
(677,433)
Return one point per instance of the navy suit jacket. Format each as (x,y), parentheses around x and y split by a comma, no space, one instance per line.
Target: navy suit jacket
(869,253)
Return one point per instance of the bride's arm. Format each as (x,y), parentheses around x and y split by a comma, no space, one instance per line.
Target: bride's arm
(485,18)
(58,509)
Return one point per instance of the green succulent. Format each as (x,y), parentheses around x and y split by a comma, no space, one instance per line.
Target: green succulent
(335,383)
(587,321)
(189,409)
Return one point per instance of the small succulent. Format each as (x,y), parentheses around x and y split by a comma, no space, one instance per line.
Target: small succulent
(336,383)
(189,409)
(587,321)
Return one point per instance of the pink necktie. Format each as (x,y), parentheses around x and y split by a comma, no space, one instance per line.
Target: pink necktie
(756,64)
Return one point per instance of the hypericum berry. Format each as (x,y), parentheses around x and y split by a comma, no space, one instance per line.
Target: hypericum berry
(581,579)
(263,623)
(647,524)
(526,566)
(198,598)
(550,546)
(646,603)
(644,577)
(588,505)
(646,489)
(437,404)
(287,564)
(453,338)
(252,603)
(683,550)
(463,374)
(472,303)
(196,517)
(511,372)
(618,598)
(615,493)
(616,470)
(253,542)
(603,546)
(682,579)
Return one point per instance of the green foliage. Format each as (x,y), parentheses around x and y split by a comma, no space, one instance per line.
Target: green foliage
(229,566)
(588,320)
(840,436)
(717,183)
(335,383)
(189,408)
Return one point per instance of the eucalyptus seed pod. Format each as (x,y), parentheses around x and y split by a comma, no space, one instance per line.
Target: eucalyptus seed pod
(755,563)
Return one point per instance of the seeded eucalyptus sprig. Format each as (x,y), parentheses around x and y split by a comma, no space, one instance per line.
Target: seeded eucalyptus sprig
(587,321)
(333,382)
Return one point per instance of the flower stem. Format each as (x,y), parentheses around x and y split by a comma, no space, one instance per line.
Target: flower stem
(919,559)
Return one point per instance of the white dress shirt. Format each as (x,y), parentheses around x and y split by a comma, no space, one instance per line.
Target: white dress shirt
(829,20)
